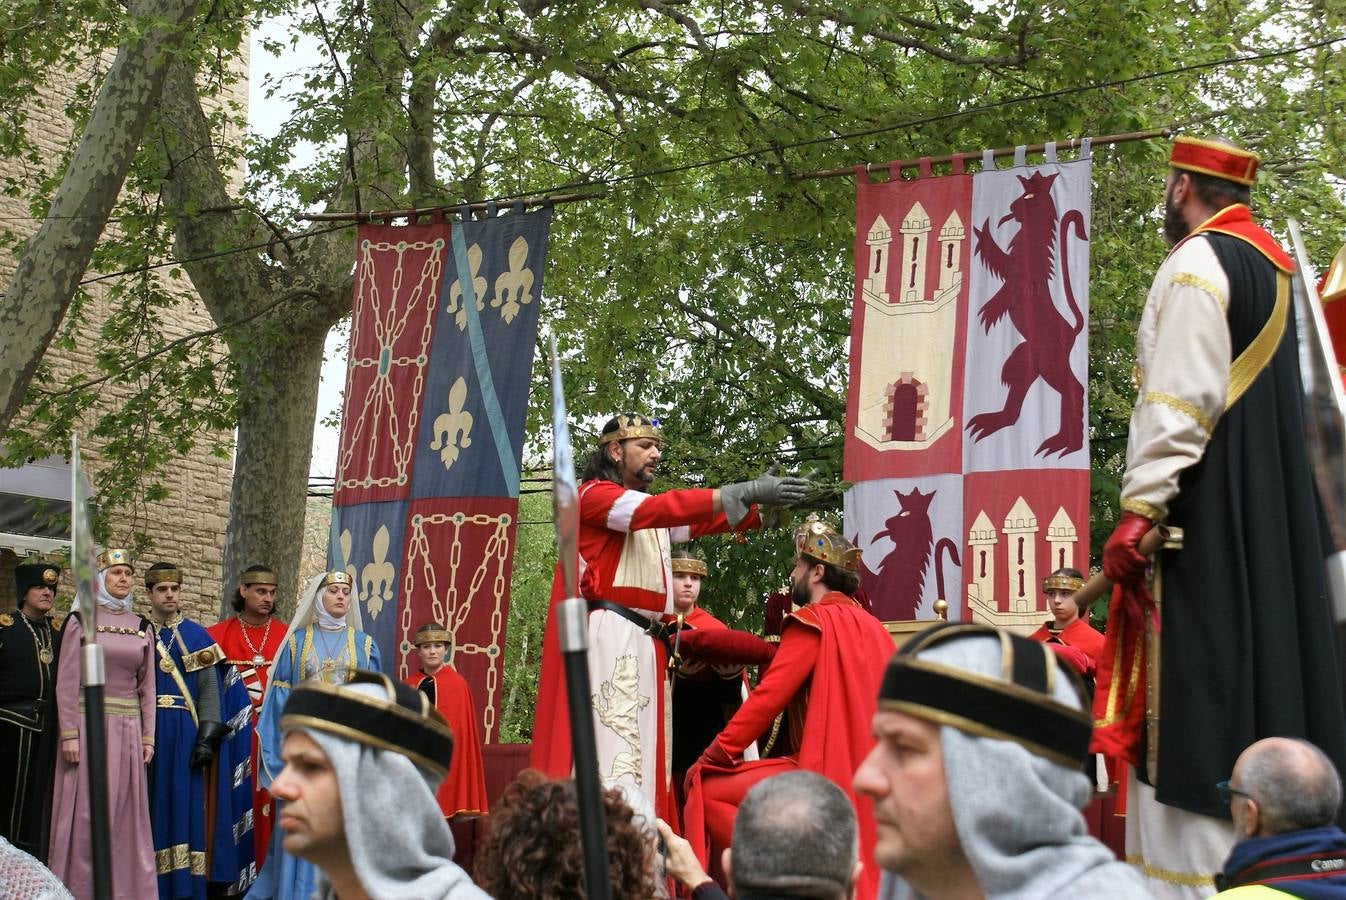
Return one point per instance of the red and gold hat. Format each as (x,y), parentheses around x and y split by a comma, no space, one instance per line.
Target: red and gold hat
(1214,158)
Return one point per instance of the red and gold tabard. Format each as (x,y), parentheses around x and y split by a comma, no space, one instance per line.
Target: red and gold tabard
(252,649)
(624,542)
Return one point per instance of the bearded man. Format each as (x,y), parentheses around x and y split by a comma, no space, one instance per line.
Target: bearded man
(1231,639)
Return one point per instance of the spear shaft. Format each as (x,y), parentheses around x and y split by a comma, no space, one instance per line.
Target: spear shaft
(572,621)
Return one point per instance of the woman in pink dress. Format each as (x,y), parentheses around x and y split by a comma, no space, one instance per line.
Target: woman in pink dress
(129,716)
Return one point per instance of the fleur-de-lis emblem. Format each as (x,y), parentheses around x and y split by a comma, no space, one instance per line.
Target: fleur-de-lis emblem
(478,287)
(378,576)
(514,287)
(346,543)
(453,429)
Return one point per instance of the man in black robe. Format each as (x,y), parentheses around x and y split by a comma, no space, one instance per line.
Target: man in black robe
(1245,646)
(30,642)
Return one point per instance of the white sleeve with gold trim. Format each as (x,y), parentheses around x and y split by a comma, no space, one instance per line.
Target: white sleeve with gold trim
(1183,355)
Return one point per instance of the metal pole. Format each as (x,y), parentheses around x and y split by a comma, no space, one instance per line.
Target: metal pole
(383,215)
(573,621)
(975,156)
(94,677)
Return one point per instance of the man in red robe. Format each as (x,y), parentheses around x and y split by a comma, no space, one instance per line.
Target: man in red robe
(1066,627)
(250,641)
(624,542)
(462,794)
(825,676)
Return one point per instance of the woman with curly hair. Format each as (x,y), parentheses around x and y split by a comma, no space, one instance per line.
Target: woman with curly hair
(532,847)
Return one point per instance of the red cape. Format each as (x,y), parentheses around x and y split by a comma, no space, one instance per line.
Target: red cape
(463,791)
(837,735)
(1078,634)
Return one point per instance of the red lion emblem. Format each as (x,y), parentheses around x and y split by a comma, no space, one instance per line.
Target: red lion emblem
(1026,270)
(897,586)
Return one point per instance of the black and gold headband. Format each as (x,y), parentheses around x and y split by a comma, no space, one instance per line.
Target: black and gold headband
(404,721)
(1019,708)
(155,576)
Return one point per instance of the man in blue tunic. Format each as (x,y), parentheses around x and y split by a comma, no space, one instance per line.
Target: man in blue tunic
(194,716)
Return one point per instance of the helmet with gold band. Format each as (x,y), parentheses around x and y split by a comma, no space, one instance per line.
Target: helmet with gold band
(432,633)
(1219,159)
(161,573)
(629,426)
(683,561)
(1063,580)
(115,556)
(819,540)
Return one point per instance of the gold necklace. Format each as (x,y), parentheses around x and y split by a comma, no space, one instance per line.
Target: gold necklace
(41,642)
(331,668)
(257,658)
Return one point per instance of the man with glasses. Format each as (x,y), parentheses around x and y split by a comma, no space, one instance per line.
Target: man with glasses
(1284,796)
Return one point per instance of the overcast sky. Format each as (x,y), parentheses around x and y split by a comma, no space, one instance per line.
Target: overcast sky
(264,117)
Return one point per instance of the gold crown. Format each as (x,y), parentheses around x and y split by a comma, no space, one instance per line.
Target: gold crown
(630,426)
(114,557)
(824,543)
(157,576)
(1059,582)
(689,565)
(336,577)
(262,576)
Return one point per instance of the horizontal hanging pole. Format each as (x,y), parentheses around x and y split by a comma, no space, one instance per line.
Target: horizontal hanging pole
(384,215)
(976,156)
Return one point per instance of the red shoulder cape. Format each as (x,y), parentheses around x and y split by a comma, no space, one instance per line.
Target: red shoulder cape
(463,790)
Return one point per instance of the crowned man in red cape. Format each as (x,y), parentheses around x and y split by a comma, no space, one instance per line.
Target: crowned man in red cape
(825,676)
(462,793)
(625,574)
(1228,638)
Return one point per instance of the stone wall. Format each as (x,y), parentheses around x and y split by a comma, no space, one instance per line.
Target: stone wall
(188,526)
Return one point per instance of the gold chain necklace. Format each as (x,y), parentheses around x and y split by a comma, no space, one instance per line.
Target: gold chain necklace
(41,642)
(257,658)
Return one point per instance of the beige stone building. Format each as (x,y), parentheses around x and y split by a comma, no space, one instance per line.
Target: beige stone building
(188,526)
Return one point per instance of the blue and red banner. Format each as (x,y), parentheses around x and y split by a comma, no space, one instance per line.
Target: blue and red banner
(427,489)
(966,417)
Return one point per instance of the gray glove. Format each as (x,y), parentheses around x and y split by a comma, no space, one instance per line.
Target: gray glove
(770,490)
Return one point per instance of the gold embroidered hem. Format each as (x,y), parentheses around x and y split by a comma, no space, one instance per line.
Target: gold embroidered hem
(178,857)
(1186,879)
(1183,406)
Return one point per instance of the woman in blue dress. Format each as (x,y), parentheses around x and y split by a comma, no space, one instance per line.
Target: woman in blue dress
(324,642)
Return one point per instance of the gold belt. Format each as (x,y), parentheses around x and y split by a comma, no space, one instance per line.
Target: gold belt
(117,706)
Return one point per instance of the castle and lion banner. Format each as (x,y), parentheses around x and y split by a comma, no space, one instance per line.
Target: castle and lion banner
(966,437)
(427,489)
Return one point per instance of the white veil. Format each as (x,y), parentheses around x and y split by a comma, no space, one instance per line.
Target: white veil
(306,612)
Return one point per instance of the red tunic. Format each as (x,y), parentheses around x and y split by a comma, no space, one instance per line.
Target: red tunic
(831,661)
(624,540)
(1079,634)
(463,792)
(235,642)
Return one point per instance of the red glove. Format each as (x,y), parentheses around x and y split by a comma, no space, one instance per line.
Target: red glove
(1123,563)
(719,646)
(1074,657)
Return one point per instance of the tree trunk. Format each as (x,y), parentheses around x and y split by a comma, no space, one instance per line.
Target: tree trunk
(269,499)
(57,256)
